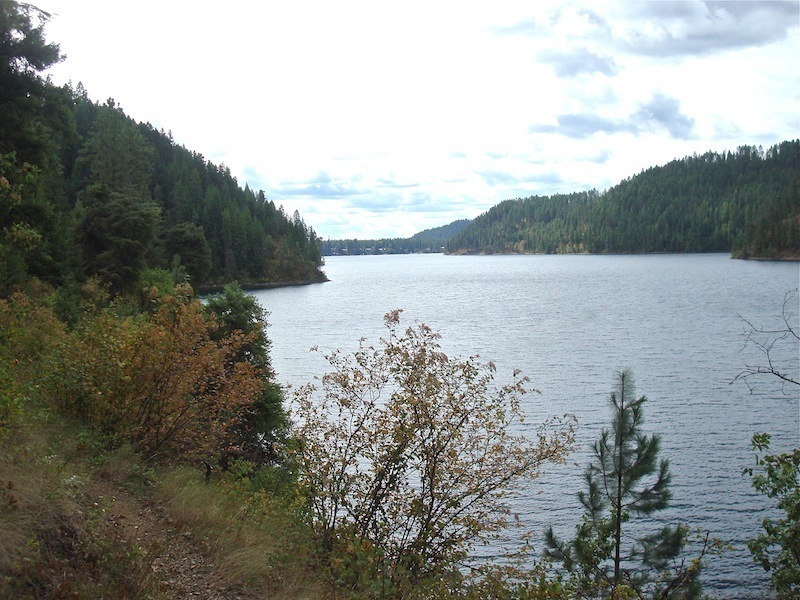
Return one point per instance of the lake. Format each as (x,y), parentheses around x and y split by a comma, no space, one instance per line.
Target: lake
(570,323)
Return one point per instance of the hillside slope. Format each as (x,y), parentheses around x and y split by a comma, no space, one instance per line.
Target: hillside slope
(86,191)
(745,202)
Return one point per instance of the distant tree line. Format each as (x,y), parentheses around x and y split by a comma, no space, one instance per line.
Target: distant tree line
(427,241)
(87,191)
(355,247)
(745,202)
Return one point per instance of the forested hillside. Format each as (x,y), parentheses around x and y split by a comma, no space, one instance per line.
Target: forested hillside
(87,191)
(745,202)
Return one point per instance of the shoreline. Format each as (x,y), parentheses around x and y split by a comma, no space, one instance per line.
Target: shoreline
(767,258)
(733,257)
(264,285)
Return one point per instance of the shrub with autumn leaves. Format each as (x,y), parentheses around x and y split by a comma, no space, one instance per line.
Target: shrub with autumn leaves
(161,381)
(28,329)
(406,457)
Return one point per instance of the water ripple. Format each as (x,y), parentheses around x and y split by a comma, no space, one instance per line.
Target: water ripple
(570,322)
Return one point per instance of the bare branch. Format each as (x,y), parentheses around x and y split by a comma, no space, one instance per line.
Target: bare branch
(766,341)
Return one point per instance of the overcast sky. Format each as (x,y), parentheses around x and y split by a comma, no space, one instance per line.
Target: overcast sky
(378,119)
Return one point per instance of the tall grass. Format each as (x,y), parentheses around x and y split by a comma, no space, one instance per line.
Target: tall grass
(57,474)
(256,538)
(54,541)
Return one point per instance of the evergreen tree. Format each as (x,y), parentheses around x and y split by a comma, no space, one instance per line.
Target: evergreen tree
(24,53)
(266,422)
(186,246)
(117,157)
(116,232)
(18,237)
(627,480)
(118,219)
(34,119)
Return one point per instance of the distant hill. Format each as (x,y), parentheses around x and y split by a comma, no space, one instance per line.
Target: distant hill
(745,202)
(443,233)
(427,241)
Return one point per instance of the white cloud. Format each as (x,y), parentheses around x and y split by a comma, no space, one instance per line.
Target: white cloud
(381,120)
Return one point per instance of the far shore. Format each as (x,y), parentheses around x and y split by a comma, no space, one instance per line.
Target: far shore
(770,258)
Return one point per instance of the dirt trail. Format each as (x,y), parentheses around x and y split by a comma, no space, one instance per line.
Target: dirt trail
(180,566)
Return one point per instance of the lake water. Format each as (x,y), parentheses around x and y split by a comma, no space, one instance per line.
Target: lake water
(570,323)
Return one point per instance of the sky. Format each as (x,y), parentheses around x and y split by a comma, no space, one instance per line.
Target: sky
(376,119)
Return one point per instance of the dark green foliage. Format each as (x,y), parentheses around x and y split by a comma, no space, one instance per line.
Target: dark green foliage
(777,549)
(210,227)
(24,53)
(116,157)
(237,311)
(23,49)
(118,220)
(113,197)
(116,232)
(18,237)
(747,203)
(34,119)
(627,480)
(266,423)
(441,234)
(187,246)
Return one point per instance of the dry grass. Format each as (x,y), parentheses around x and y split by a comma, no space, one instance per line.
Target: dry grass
(82,518)
(58,539)
(257,540)
(53,542)
(28,481)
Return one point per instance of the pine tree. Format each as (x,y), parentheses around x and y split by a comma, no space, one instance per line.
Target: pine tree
(627,480)
(24,55)
(117,220)
(266,422)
